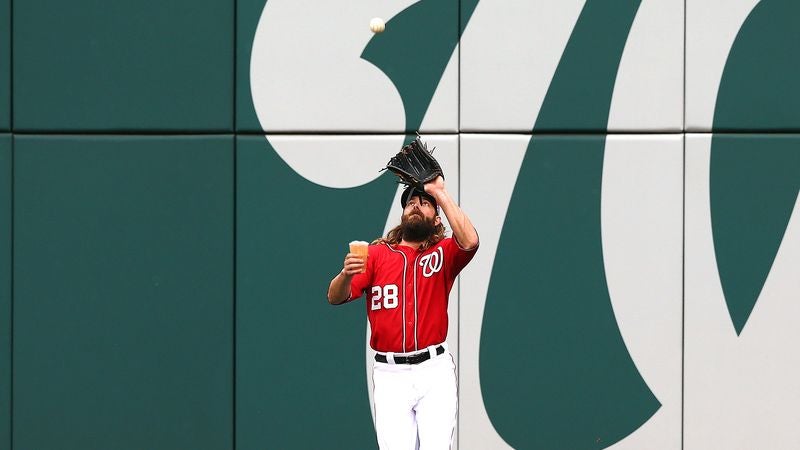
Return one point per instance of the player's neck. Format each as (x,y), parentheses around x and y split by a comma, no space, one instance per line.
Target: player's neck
(414,245)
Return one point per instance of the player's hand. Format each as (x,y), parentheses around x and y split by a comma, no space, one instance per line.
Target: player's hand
(353,264)
(435,186)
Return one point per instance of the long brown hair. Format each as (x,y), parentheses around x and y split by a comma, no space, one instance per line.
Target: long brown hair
(395,236)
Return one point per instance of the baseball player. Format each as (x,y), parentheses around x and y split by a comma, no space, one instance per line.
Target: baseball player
(407,278)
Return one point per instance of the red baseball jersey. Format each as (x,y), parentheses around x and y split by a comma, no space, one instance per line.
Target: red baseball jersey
(407,293)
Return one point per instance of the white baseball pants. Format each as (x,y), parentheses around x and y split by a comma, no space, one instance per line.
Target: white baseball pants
(416,403)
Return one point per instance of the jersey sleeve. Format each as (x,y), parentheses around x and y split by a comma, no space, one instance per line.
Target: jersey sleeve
(362,281)
(457,256)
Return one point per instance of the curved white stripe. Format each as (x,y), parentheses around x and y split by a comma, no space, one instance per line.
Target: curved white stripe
(307,75)
(648,92)
(641,224)
(336,161)
(486,193)
(306,71)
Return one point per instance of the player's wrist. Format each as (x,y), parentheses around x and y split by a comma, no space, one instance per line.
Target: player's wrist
(440,195)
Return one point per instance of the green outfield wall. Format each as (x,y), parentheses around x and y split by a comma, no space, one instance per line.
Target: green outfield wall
(179,181)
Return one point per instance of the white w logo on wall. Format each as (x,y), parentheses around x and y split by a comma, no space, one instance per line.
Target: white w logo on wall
(594,224)
(432,263)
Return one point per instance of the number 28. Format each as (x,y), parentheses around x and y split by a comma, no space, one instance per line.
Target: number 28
(386,293)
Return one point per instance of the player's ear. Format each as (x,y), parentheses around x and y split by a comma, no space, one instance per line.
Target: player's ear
(436,221)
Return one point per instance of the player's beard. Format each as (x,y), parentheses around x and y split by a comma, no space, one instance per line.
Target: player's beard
(415,227)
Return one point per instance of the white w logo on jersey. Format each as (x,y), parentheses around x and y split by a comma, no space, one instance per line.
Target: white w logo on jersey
(432,262)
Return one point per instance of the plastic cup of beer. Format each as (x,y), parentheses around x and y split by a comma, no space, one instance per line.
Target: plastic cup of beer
(360,248)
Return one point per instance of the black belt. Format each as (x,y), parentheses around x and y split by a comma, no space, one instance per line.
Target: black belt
(412,359)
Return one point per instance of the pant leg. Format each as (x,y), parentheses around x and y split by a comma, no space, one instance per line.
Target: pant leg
(437,409)
(395,420)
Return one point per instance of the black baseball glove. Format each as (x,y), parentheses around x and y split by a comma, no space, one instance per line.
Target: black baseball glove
(415,165)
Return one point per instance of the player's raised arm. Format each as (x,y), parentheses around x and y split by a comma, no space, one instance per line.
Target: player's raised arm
(339,289)
(463,230)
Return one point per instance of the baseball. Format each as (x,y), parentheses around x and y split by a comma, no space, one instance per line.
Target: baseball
(377,25)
